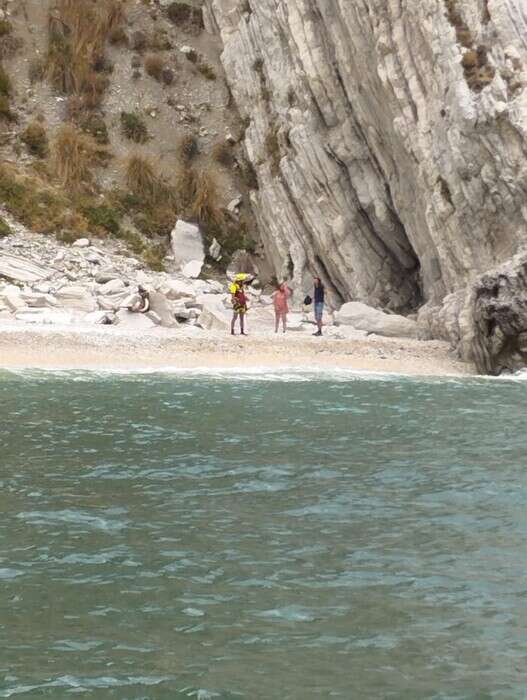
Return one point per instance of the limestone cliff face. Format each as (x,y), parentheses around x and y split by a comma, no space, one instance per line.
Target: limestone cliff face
(388,137)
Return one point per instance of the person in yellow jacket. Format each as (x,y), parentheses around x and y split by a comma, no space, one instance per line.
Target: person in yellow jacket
(239,302)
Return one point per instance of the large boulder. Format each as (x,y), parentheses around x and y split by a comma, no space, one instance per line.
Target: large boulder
(160,305)
(192,269)
(134,321)
(214,316)
(494,321)
(76,297)
(20,269)
(176,289)
(37,300)
(187,247)
(365,318)
(12,300)
(113,286)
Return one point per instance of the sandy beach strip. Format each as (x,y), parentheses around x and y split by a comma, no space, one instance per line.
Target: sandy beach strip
(107,348)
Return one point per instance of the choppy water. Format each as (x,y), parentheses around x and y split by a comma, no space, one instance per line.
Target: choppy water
(217,537)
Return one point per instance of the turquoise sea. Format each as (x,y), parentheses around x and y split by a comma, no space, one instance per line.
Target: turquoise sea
(258,535)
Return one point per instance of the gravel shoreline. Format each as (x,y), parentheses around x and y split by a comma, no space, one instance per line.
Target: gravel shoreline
(107,347)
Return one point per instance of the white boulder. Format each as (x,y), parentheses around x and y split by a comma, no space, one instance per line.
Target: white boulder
(114,286)
(214,316)
(365,318)
(16,267)
(13,301)
(81,243)
(134,321)
(160,306)
(36,300)
(215,250)
(192,269)
(176,289)
(75,297)
(187,246)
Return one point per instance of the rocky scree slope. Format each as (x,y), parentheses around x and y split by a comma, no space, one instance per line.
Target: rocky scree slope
(115,120)
(388,138)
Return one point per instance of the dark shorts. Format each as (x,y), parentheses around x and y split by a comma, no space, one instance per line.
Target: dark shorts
(319,310)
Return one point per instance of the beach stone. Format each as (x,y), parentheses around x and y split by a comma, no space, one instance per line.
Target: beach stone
(134,321)
(187,246)
(154,317)
(106,276)
(81,243)
(214,316)
(192,269)
(76,297)
(366,318)
(176,289)
(216,287)
(21,269)
(114,286)
(43,288)
(13,301)
(160,305)
(93,258)
(215,250)
(39,300)
(234,204)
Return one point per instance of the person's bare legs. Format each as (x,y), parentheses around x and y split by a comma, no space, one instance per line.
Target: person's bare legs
(284,322)
(276,321)
(242,324)
(233,323)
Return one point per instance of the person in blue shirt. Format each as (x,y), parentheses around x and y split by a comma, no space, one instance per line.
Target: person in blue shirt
(318,299)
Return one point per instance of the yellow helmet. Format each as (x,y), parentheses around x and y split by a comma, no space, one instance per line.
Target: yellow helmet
(241,276)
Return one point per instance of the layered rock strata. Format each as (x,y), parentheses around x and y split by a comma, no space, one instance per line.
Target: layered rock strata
(388,138)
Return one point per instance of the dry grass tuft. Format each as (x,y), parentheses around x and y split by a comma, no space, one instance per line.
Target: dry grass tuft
(78,32)
(187,148)
(206,71)
(5,91)
(36,139)
(32,202)
(95,126)
(5,28)
(478,71)
(222,153)
(188,18)
(154,66)
(5,83)
(154,257)
(143,182)
(74,154)
(5,229)
(205,203)
(118,37)
(9,44)
(133,127)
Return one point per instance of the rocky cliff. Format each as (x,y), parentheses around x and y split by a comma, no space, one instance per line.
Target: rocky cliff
(388,138)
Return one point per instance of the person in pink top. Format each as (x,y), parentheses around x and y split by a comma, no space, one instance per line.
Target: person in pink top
(281,309)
